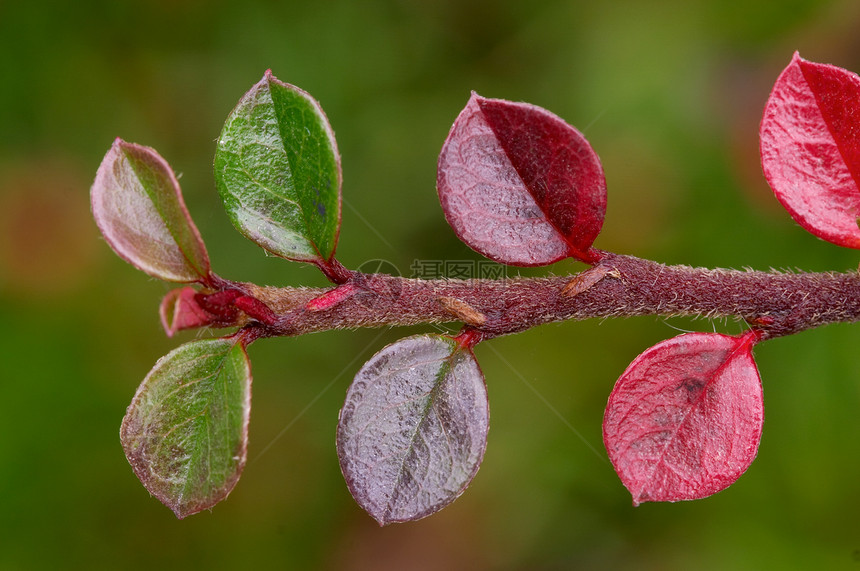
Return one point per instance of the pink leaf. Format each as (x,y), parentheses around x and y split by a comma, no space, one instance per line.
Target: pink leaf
(810,148)
(519,185)
(179,310)
(138,206)
(684,420)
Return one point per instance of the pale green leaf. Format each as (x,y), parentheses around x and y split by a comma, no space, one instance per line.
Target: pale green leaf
(186,430)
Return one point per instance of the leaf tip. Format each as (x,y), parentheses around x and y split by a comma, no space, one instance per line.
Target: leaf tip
(183,509)
(129,150)
(271,79)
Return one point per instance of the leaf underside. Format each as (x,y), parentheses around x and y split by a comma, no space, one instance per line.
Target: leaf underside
(413,429)
(278,172)
(186,431)
(684,420)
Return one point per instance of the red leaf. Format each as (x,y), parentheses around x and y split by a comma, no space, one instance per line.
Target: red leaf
(684,420)
(519,185)
(810,148)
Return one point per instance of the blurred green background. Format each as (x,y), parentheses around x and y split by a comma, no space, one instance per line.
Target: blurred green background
(670,95)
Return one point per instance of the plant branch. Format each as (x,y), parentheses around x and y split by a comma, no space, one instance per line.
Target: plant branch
(775,303)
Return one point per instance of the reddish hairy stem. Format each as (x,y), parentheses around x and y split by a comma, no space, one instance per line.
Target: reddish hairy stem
(334,271)
(776,304)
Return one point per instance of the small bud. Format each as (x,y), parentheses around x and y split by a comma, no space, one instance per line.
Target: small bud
(462,311)
(762,321)
(332,297)
(586,280)
(256,309)
(220,304)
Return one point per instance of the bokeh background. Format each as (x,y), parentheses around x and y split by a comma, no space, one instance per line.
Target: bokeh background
(669,93)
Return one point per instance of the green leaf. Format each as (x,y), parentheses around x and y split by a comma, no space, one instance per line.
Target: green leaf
(186,431)
(277,169)
(138,206)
